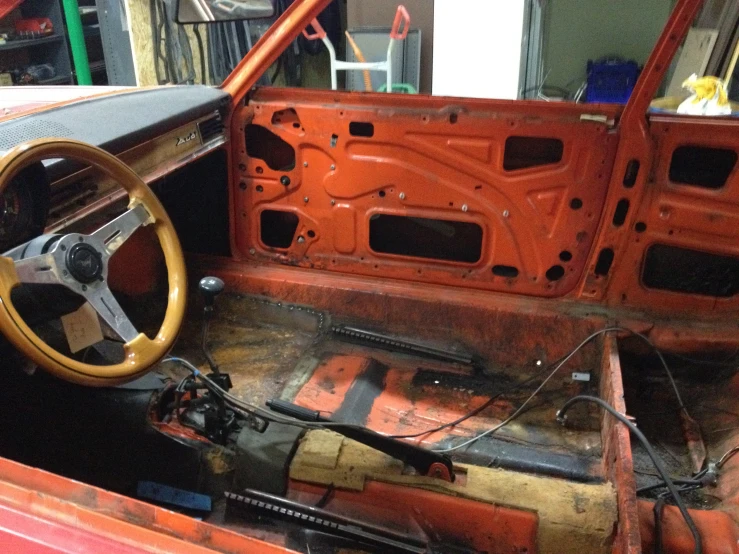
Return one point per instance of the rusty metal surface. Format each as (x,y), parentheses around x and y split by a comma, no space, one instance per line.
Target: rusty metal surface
(617,458)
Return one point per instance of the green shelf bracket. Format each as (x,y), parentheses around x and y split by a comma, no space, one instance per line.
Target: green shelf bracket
(77,42)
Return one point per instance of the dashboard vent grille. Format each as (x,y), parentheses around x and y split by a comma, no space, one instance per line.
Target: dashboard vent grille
(210,128)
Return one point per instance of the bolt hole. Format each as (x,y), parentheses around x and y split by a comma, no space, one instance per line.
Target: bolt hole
(259,188)
(453,118)
(576,204)
(640,227)
(565,255)
(296,125)
(260,169)
(311,233)
(381,194)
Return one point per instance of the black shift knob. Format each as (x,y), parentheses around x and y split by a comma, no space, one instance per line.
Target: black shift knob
(210,287)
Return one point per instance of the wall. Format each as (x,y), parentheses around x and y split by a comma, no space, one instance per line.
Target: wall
(577,30)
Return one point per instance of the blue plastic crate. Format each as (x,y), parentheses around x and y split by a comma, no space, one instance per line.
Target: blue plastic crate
(611,81)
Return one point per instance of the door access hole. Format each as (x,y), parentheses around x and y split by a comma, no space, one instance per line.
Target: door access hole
(631,173)
(523,152)
(277,228)
(622,209)
(555,273)
(286,117)
(702,166)
(507,271)
(605,260)
(691,271)
(263,144)
(361,129)
(457,241)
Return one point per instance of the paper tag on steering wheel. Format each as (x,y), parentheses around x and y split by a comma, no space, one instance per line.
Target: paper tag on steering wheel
(82,328)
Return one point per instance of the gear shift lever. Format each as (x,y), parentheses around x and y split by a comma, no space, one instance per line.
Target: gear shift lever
(210,288)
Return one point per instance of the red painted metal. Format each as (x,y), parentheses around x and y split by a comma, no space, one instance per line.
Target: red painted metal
(484,527)
(21,532)
(718,530)
(435,158)
(617,459)
(266,51)
(56,501)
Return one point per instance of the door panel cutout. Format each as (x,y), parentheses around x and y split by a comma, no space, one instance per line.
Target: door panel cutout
(263,144)
(622,210)
(631,173)
(690,271)
(361,129)
(277,228)
(702,166)
(605,260)
(419,237)
(524,152)
(507,271)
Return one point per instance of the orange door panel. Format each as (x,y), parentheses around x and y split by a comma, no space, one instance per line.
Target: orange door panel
(495,195)
(684,239)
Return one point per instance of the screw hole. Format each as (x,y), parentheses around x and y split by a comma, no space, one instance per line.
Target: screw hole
(576,204)
(259,188)
(260,169)
(311,233)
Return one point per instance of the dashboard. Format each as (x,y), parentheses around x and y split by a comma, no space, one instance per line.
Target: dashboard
(155,131)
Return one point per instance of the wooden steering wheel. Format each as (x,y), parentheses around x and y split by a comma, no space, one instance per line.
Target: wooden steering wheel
(80,263)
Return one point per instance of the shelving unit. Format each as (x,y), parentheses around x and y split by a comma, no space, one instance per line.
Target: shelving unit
(88,10)
(52,49)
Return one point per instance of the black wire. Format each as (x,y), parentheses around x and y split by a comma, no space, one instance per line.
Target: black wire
(490,401)
(480,408)
(647,488)
(650,451)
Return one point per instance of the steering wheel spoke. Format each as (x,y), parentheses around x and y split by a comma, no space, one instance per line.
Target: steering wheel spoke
(80,262)
(42,270)
(114,234)
(101,298)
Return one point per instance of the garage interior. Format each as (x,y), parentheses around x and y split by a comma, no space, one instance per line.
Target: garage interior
(446,276)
